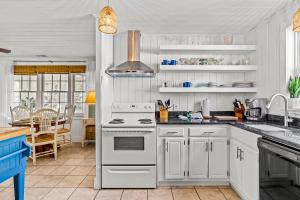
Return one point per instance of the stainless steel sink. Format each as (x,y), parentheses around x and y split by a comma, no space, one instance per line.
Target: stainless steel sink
(268,128)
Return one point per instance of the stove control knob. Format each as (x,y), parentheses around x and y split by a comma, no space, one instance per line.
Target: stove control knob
(145,107)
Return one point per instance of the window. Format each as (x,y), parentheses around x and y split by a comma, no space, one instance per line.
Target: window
(51,90)
(79,92)
(55,91)
(25,87)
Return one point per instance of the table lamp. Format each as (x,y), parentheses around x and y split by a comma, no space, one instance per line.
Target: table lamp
(91,101)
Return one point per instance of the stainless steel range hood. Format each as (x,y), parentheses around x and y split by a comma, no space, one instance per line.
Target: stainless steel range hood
(133,67)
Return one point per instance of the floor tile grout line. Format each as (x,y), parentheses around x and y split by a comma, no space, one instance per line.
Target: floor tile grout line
(223,193)
(197,193)
(122,194)
(172,193)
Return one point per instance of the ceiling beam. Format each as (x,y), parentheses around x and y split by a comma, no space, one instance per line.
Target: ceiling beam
(2,50)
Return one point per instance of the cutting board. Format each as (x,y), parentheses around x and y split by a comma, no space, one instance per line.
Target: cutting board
(226,118)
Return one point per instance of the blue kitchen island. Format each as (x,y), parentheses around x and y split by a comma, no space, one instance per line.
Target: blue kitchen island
(13,157)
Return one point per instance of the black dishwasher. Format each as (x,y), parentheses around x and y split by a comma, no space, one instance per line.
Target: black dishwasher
(278,170)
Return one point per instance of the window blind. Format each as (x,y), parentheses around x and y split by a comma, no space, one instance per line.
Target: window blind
(48,69)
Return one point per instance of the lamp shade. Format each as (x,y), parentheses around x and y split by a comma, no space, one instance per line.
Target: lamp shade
(107,21)
(296,21)
(91,97)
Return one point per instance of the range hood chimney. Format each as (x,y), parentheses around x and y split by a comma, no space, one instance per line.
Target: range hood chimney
(133,67)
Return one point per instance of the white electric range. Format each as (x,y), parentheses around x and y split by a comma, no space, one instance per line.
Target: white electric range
(129,147)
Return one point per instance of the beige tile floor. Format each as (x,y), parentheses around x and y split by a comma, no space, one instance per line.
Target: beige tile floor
(72,175)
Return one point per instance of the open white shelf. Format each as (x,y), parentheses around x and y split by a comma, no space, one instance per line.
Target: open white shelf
(220,68)
(224,49)
(207,90)
(209,47)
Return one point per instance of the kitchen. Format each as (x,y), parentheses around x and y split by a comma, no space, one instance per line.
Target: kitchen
(196,100)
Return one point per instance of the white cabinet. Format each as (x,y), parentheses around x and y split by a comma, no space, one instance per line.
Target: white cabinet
(244,163)
(174,158)
(218,158)
(235,165)
(191,154)
(250,173)
(198,158)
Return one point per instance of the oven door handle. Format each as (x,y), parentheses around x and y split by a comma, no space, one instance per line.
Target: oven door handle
(280,150)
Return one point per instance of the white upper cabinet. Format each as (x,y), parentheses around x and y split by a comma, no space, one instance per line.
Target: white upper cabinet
(198,157)
(218,158)
(174,158)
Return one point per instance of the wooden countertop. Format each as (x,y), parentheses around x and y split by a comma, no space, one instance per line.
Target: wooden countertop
(11,132)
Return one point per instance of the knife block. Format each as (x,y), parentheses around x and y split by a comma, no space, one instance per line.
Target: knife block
(239,113)
(163,114)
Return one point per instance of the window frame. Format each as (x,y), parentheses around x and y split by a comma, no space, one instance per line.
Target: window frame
(70,92)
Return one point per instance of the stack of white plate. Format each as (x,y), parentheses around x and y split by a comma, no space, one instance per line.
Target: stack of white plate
(243,84)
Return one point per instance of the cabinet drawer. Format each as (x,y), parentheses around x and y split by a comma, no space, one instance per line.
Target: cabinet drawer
(129,177)
(207,132)
(171,132)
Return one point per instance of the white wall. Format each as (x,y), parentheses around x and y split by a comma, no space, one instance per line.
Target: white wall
(146,89)
(270,37)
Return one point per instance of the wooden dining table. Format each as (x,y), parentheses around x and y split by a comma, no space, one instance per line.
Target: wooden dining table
(36,125)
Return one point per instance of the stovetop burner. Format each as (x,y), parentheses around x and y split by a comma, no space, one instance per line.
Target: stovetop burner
(145,120)
(117,121)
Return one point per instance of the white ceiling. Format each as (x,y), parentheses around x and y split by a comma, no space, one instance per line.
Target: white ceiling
(67,27)
(190,16)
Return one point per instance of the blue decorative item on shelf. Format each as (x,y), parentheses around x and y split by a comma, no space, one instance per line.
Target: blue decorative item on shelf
(187,84)
(173,62)
(165,62)
(13,158)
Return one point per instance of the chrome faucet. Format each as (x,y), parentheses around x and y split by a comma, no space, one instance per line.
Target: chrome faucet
(287,119)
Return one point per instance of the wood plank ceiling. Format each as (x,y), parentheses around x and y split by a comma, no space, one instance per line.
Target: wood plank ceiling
(67,27)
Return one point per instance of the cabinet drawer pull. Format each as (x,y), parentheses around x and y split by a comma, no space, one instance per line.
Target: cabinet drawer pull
(241,155)
(167,147)
(208,132)
(237,152)
(211,146)
(172,132)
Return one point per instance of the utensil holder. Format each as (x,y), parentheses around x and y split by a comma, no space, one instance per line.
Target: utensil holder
(164,114)
(239,113)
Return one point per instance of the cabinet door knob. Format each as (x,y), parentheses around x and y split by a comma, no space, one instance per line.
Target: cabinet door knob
(206,148)
(211,146)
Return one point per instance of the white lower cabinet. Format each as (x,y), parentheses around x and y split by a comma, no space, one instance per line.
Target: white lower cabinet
(193,157)
(244,164)
(174,158)
(218,158)
(198,158)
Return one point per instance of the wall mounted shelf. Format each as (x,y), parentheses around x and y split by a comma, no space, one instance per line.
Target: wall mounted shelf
(223,49)
(206,90)
(219,68)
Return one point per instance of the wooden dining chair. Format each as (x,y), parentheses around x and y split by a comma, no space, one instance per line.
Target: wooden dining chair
(45,122)
(64,133)
(19,113)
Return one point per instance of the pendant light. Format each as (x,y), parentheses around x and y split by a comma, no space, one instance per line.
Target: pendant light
(296,21)
(107,20)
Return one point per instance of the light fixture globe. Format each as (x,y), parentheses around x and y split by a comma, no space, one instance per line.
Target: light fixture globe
(296,21)
(107,21)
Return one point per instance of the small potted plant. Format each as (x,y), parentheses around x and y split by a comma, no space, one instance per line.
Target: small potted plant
(294,90)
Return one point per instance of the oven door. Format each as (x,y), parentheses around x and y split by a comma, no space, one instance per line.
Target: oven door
(128,146)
